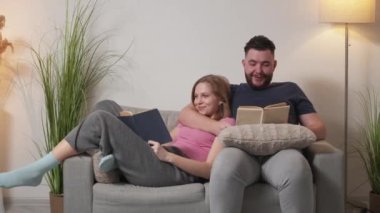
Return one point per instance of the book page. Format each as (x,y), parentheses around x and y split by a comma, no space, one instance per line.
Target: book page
(249,115)
(276,105)
(126,113)
(276,114)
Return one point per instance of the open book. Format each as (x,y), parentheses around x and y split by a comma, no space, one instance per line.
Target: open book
(149,125)
(274,113)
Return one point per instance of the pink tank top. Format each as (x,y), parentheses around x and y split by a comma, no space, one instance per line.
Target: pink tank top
(195,143)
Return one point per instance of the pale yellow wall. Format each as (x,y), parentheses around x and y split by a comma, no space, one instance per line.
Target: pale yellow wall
(174,43)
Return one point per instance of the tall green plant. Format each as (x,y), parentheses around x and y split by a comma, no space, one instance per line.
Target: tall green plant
(368,145)
(68,73)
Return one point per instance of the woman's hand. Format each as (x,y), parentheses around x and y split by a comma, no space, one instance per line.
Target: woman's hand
(160,151)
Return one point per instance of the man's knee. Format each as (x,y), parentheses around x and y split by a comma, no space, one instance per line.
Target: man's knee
(289,172)
(235,163)
(298,166)
(287,167)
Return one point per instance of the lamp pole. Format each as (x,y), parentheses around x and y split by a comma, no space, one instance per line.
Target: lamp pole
(353,11)
(345,111)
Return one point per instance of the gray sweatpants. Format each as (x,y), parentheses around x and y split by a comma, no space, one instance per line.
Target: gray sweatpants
(136,160)
(287,171)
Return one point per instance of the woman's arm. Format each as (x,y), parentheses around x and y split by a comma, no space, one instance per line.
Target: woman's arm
(191,118)
(193,167)
(173,135)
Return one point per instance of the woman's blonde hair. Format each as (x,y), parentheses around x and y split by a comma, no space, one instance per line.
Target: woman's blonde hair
(221,89)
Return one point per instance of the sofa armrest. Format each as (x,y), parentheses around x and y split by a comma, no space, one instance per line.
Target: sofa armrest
(327,164)
(78,181)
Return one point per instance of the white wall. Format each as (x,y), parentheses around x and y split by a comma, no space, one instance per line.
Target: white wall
(176,42)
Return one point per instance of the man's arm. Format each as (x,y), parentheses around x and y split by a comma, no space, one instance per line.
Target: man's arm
(189,117)
(313,122)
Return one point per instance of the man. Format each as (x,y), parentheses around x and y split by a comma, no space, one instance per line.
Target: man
(287,171)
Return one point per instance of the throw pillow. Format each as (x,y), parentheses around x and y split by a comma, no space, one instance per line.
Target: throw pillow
(267,139)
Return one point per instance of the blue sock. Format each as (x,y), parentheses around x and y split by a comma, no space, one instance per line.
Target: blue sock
(30,175)
(107,163)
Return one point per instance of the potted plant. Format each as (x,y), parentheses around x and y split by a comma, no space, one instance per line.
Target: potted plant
(68,71)
(368,145)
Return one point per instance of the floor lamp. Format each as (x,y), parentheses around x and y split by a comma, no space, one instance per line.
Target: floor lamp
(346,12)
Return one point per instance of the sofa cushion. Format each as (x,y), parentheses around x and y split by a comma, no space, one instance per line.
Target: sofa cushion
(124,193)
(116,198)
(267,139)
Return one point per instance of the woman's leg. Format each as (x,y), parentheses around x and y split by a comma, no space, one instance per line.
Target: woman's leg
(108,106)
(63,150)
(107,163)
(103,130)
(135,159)
(32,174)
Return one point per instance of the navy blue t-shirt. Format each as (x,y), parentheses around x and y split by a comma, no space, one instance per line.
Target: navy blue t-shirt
(244,95)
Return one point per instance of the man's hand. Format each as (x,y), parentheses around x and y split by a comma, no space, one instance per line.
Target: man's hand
(315,124)
(221,125)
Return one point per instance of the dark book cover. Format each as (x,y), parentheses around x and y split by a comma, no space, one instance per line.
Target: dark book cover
(149,125)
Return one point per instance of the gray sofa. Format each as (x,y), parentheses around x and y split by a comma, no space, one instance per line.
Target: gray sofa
(83,194)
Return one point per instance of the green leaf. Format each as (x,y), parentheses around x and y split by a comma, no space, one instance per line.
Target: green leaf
(368,146)
(69,70)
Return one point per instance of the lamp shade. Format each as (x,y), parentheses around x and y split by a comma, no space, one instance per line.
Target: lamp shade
(347,11)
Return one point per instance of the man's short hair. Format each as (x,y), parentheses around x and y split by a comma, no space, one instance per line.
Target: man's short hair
(260,42)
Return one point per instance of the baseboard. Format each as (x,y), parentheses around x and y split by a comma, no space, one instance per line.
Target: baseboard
(24,202)
(358,201)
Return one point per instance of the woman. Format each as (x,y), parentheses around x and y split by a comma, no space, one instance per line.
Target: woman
(141,163)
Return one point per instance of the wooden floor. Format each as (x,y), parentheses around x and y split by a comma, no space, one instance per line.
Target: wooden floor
(45,209)
(350,209)
(27,206)
(28,209)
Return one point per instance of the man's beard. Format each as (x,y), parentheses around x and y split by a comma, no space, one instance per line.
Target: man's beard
(268,79)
